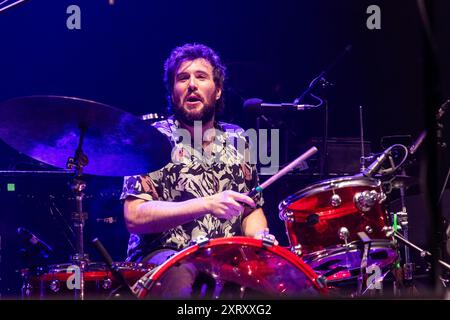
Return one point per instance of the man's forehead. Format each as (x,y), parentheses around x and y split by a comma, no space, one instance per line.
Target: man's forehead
(199,64)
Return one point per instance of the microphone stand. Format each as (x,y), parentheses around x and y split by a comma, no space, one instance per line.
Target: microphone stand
(408,266)
(321,80)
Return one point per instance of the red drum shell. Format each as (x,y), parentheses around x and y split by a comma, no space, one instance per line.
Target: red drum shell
(50,282)
(264,270)
(323,231)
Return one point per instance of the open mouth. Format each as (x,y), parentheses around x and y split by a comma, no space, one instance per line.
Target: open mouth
(193,100)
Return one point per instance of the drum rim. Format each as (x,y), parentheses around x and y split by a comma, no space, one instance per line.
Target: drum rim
(328,185)
(258,243)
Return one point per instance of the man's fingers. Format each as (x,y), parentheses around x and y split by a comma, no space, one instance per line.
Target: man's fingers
(243,199)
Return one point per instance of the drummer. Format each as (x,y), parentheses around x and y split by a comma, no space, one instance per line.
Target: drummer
(201,192)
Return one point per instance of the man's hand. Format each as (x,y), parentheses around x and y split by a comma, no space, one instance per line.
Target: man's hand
(228,204)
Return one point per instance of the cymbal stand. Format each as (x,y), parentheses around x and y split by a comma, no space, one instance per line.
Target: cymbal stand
(80,259)
(408,266)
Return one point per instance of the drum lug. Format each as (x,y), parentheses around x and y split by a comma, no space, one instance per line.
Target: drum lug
(365,200)
(268,240)
(368,229)
(106,283)
(297,249)
(144,283)
(287,216)
(201,241)
(321,281)
(54,286)
(344,234)
(389,231)
(336,200)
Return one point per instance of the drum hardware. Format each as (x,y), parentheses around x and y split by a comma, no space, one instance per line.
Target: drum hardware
(344,234)
(373,283)
(268,240)
(362,279)
(423,253)
(297,249)
(109,136)
(107,283)
(389,231)
(201,241)
(368,229)
(335,200)
(402,220)
(287,216)
(365,200)
(361,131)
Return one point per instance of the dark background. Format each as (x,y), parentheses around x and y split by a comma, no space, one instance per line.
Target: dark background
(272,50)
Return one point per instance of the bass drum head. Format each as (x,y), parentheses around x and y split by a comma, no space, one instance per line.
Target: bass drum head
(236,267)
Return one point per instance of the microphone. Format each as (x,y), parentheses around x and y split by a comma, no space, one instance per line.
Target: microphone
(258,106)
(375,166)
(30,238)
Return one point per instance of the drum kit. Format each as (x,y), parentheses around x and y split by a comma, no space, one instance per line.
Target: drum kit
(342,241)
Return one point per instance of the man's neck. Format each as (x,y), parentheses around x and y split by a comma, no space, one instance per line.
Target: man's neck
(209,137)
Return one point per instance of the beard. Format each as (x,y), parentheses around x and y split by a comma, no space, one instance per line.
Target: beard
(206,114)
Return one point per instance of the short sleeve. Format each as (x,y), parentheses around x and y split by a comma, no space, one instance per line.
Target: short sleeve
(140,187)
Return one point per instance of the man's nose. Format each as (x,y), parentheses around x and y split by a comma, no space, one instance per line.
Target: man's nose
(192,83)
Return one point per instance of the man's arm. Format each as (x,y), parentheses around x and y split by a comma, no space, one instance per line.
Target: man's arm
(158,216)
(254,223)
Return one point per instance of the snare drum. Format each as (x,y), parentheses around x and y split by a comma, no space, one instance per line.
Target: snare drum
(341,265)
(332,212)
(237,267)
(58,281)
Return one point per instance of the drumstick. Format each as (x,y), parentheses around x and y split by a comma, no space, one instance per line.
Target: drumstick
(279,174)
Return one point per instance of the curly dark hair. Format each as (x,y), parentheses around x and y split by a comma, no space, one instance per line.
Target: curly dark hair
(188,52)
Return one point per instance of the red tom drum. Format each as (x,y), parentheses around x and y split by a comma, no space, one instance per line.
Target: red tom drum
(332,212)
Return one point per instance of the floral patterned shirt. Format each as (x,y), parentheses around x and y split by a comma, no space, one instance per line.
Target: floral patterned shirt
(193,173)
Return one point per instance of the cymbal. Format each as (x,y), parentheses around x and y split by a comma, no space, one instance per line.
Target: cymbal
(48,128)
